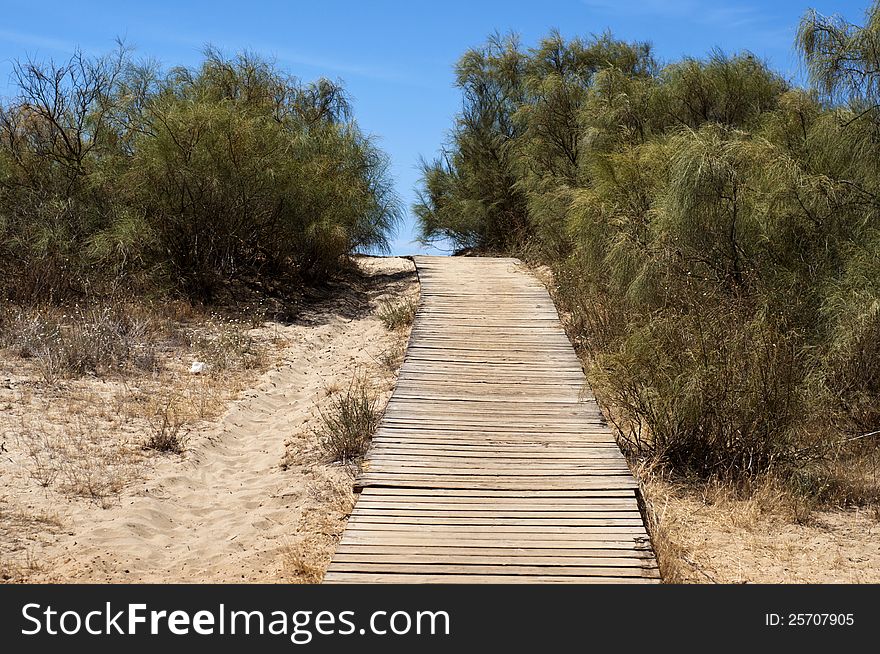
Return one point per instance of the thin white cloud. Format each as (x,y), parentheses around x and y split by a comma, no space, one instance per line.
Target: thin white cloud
(289,56)
(35,41)
(323,63)
(42,42)
(733,16)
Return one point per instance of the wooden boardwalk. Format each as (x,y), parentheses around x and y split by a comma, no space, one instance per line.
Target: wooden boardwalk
(492,462)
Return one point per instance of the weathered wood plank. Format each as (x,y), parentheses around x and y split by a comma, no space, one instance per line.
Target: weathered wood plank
(400,541)
(504,564)
(454,511)
(512,482)
(489,569)
(393,578)
(491,507)
(386,518)
(478,493)
(498,552)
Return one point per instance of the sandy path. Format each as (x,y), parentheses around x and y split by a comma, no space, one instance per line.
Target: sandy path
(229,509)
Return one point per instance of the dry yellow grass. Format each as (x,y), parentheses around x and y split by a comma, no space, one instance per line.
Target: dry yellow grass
(319,531)
(766,533)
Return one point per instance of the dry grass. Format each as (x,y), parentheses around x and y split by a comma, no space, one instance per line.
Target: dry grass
(349,421)
(306,559)
(70,343)
(77,458)
(19,530)
(849,479)
(398,314)
(17,572)
(167,429)
(227,345)
(332,388)
(392,358)
(300,563)
(765,531)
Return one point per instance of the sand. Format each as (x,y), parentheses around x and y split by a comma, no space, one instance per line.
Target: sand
(254,498)
(734,542)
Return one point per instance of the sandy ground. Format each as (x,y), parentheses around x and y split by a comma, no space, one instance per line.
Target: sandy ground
(728,540)
(254,497)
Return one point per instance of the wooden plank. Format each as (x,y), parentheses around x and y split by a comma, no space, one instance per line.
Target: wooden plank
(401,396)
(434,458)
(523,507)
(491,507)
(503,563)
(480,466)
(454,512)
(392,578)
(434,455)
(471,440)
(487,425)
(389,518)
(453,554)
(497,481)
(489,569)
(639,556)
(465,509)
(561,532)
(512,450)
(524,450)
(478,493)
(487,542)
(570,401)
(492,417)
(592,474)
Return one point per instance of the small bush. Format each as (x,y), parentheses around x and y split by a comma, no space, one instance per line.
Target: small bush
(347,426)
(397,314)
(712,395)
(167,432)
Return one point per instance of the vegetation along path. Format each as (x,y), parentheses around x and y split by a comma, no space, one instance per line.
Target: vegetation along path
(492,462)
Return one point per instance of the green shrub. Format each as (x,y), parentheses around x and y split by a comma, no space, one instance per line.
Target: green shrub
(713,231)
(116,176)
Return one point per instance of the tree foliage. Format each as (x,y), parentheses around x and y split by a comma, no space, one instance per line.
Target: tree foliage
(116,174)
(713,229)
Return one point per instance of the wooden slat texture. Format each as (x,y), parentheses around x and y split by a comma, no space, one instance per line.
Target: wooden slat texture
(492,463)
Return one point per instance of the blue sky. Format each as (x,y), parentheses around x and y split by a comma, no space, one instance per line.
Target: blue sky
(396,58)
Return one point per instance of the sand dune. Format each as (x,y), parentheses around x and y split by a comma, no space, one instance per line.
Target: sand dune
(255,486)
